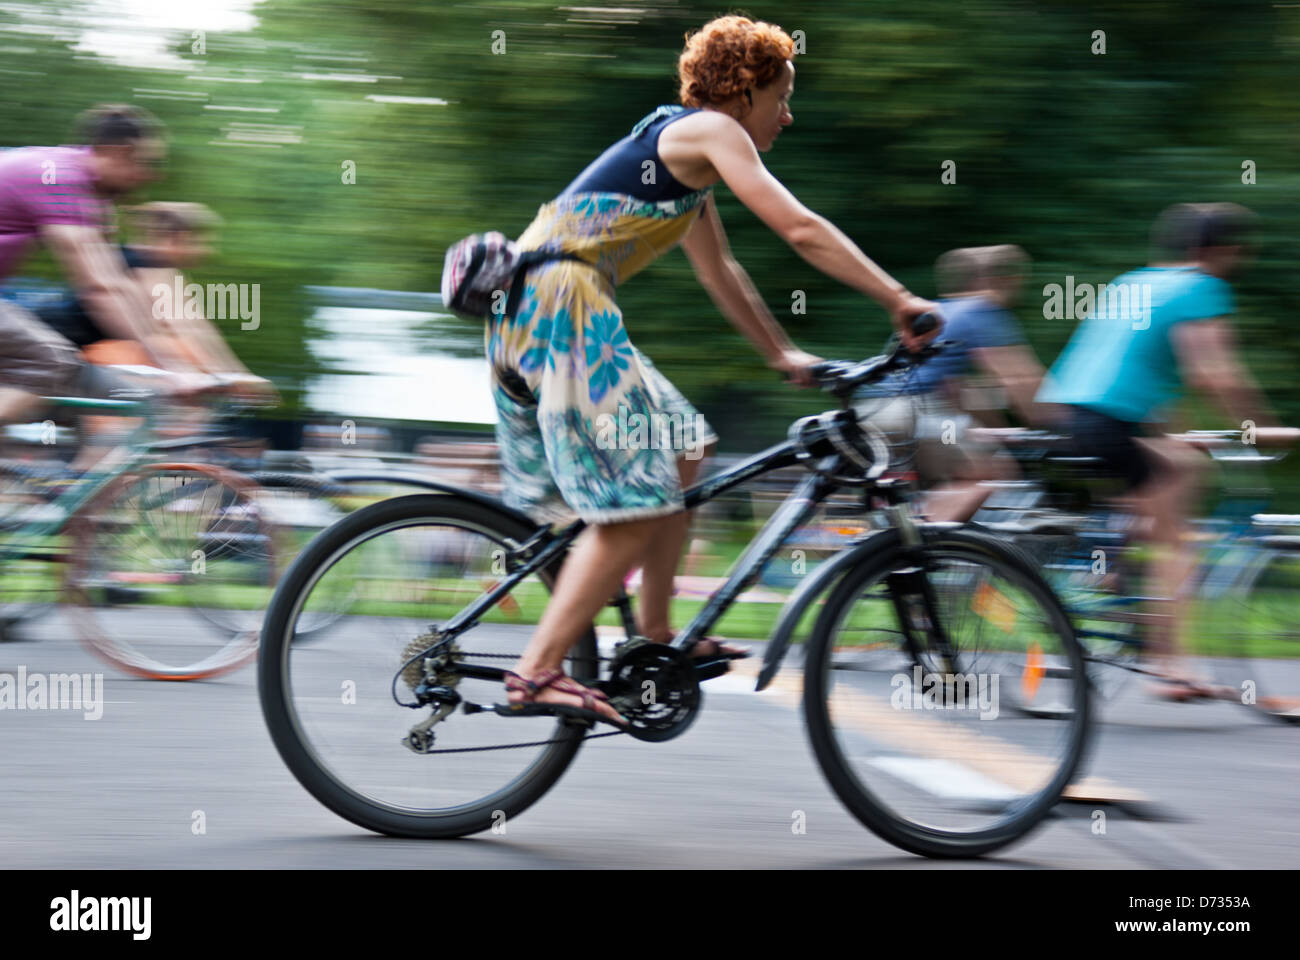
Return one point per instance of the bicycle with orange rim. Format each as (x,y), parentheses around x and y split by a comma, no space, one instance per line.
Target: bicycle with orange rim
(145,543)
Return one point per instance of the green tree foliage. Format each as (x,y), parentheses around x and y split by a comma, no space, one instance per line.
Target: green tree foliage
(1058,147)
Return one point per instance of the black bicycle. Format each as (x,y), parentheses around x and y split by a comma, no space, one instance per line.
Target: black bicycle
(396,721)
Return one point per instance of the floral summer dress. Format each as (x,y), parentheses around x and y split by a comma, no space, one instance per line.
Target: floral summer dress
(586,424)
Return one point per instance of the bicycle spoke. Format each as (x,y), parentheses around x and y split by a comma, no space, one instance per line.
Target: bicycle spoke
(400,584)
(943,751)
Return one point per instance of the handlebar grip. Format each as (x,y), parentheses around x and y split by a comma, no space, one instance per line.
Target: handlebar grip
(924,323)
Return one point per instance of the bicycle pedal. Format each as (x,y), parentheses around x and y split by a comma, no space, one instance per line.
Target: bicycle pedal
(575,715)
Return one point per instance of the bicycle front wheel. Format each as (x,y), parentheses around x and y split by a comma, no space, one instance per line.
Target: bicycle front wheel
(342,709)
(929,758)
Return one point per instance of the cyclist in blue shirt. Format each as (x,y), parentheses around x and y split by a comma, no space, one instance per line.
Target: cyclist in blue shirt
(937,403)
(1158,329)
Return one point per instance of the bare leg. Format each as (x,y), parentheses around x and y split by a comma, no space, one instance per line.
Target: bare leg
(1166,500)
(593,571)
(957,502)
(659,567)
(16,404)
(94,443)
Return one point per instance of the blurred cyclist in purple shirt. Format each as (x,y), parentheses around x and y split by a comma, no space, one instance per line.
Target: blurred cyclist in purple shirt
(62,197)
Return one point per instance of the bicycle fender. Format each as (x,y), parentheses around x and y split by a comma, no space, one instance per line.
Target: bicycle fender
(822,579)
(416,480)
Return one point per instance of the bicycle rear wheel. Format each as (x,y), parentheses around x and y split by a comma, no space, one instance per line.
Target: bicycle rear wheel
(173,564)
(1091,584)
(338,708)
(927,758)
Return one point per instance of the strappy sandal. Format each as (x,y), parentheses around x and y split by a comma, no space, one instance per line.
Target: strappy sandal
(556,680)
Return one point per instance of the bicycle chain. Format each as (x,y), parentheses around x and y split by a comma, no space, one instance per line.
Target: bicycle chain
(516,746)
(512,746)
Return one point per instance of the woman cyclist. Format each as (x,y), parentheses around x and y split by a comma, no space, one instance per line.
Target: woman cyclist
(563,368)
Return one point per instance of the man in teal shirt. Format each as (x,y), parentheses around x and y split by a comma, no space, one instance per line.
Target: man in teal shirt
(1152,331)
(1121,360)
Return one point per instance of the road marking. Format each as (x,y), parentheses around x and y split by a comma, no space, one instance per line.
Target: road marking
(987,756)
(943,778)
(730,684)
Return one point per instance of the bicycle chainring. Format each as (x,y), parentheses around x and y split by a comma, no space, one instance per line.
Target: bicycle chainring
(655,687)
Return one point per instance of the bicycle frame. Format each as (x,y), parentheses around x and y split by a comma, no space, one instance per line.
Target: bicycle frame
(1229,563)
(72,500)
(138,449)
(545,546)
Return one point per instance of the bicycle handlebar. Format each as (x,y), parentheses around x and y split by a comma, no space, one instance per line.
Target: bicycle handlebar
(1226,445)
(1262,436)
(924,323)
(842,377)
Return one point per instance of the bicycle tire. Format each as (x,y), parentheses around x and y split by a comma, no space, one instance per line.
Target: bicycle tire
(88,587)
(280,716)
(1105,619)
(880,557)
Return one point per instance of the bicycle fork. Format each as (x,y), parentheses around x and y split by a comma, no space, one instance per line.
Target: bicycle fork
(913,597)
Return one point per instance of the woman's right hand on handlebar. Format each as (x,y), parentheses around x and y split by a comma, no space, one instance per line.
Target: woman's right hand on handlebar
(1277,436)
(190,386)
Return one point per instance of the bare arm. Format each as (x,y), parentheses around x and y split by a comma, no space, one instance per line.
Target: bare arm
(199,334)
(1208,360)
(1019,373)
(734,158)
(731,289)
(103,282)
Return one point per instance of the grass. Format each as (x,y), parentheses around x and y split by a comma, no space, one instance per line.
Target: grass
(1216,628)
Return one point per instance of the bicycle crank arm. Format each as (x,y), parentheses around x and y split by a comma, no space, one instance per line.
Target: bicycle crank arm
(707,669)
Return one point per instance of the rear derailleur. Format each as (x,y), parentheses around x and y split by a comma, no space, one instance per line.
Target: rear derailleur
(432,678)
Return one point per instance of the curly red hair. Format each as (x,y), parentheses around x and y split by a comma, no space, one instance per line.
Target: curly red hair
(728,55)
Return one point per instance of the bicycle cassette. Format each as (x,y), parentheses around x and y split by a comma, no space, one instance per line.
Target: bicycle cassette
(432,669)
(655,687)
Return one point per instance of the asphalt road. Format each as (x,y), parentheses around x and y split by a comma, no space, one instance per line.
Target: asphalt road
(1216,788)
